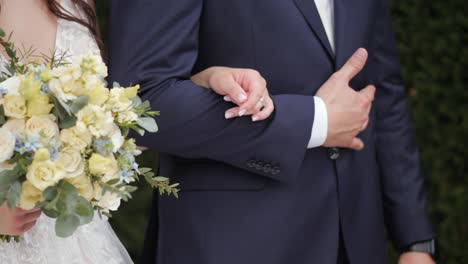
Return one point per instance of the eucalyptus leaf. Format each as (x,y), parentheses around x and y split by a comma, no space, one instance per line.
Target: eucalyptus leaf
(50,213)
(2,115)
(136,101)
(68,122)
(13,195)
(148,123)
(79,103)
(84,211)
(50,193)
(112,182)
(66,225)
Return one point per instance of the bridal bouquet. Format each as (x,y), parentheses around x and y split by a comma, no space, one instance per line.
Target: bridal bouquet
(64,143)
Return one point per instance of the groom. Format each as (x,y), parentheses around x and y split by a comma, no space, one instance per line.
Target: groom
(267,192)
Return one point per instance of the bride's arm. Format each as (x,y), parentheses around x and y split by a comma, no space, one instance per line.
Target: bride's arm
(15,222)
(244,87)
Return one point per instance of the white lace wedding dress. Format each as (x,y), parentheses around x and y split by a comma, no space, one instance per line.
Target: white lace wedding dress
(95,243)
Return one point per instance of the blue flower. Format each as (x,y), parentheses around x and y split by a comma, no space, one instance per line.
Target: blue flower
(103,146)
(30,143)
(125,175)
(3,91)
(53,153)
(45,89)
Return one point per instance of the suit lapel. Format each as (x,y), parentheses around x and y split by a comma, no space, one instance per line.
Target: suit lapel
(312,16)
(341,28)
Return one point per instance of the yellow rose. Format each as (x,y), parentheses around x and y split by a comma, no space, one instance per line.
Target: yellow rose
(7,144)
(100,165)
(15,126)
(131,92)
(42,123)
(83,185)
(71,162)
(30,196)
(77,137)
(14,106)
(44,174)
(39,105)
(29,88)
(42,154)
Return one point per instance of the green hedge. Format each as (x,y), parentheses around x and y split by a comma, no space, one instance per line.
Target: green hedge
(433,40)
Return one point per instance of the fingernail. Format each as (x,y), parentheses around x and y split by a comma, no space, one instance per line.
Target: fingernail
(241,98)
(255,118)
(227,98)
(228,115)
(242,112)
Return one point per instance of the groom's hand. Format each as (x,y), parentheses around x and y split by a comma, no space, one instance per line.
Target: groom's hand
(415,258)
(348,110)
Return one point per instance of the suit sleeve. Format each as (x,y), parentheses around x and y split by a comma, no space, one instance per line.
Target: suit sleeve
(397,154)
(154,43)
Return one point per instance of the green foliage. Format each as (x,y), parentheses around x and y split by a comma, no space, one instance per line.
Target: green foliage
(434,51)
(71,210)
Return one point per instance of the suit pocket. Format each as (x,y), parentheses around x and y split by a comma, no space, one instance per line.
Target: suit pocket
(215,176)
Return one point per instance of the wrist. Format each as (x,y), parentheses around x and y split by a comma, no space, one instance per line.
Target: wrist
(428,247)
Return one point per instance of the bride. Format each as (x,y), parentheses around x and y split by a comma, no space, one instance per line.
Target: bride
(70,26)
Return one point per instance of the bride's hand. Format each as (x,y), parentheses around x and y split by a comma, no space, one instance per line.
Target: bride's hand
(244,87)
(14,222)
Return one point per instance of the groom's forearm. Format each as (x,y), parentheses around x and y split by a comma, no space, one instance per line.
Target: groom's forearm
(160,56)
(398,158)
(192,125)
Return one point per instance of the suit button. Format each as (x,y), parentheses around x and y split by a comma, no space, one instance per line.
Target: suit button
(251,163)
(333,153)
(259,165)
(267,168)
(275,171)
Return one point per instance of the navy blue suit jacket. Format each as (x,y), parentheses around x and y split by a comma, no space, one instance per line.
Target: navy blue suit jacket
(252,192)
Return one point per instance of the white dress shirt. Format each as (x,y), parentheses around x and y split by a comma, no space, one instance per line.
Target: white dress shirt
(320,125)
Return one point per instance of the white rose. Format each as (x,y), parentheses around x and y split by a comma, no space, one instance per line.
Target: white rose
(42,123)
(7,144)
(77,137)
(43,174)
(71,162)
(14,106)
(11,85)
(108,201)
(15,126)
(99,121)
(106,167)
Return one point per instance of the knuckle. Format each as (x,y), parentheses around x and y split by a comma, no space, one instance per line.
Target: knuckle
(253,73)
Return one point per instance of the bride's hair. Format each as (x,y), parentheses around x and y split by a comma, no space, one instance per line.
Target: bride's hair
(90,21)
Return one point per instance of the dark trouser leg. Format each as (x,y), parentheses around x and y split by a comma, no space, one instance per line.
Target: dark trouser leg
(342,256)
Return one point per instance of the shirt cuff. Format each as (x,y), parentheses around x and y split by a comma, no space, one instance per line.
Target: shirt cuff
(320,125)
